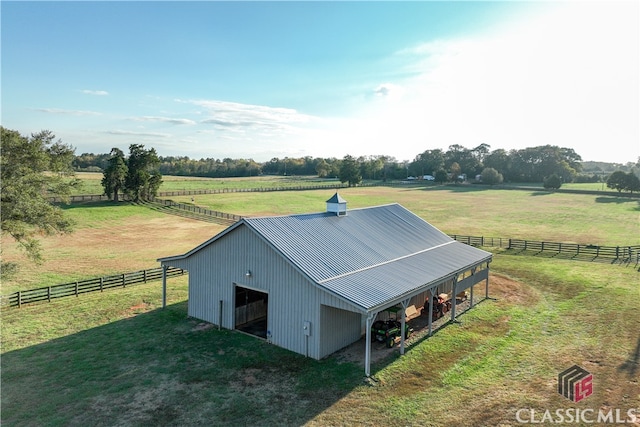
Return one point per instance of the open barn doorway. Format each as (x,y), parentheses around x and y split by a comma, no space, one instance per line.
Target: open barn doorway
(251,308)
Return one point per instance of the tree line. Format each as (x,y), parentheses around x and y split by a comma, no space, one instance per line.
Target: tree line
(533,164)
(37,166)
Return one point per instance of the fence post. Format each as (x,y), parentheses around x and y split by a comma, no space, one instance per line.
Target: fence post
(19,299)
(164,285)
(144,276)
(101,283)
(123,280)
(49,293)
(76,288)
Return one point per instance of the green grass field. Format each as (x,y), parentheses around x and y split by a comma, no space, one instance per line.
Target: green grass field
(125,238)
(466,210)
(91,182)
(116,358)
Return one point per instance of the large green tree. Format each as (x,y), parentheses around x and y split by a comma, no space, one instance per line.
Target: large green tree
(32,169)
(427,163)
(534,164)
(323,168)
(633,182)
(143,176)
(617,181)
(115,174)
(350,171)
(623,181)
(465,159)
(500,160)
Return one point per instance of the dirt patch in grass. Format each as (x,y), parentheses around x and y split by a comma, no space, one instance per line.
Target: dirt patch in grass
(203,326)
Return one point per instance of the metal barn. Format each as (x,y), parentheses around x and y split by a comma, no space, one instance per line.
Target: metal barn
(315,283)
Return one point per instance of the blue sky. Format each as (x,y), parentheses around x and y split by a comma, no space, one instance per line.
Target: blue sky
(324,79)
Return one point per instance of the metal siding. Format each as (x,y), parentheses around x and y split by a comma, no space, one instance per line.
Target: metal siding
(338,329)
(292,301)
(215,268)
(360,262)
(211,275)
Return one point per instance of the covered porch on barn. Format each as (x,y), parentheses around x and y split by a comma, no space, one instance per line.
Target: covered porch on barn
(421,311)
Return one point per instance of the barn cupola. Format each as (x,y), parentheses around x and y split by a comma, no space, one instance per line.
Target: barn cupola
(337,205)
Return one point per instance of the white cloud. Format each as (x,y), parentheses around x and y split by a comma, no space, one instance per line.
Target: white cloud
(170,120)
(67,112)
(232,115)
(140,134)
(95,92)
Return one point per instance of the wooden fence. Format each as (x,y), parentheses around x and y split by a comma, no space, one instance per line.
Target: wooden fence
(102,197)
(198,210)
(614,253)
(622,254)
(17,299)
(257,189)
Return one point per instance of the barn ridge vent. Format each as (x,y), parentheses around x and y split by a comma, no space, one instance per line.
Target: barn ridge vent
(337,205)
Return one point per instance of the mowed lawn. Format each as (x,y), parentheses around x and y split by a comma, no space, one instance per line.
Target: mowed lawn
(116,358)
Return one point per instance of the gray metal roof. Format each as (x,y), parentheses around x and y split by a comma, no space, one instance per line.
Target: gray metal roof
(372,256)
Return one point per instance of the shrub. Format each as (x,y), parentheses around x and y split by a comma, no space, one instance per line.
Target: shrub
(553,182)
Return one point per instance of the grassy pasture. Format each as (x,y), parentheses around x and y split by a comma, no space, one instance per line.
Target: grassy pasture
(466,210)
(112,239)
(91,182)
(117,359)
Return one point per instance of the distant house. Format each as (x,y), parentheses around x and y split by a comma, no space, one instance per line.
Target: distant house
(315,283)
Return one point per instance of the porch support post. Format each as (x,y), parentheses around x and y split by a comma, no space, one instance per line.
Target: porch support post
(453,299)
(487,283)
(473,271)
(430,320)
(471,296)
(403,322)
(367,344)
(164,286)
